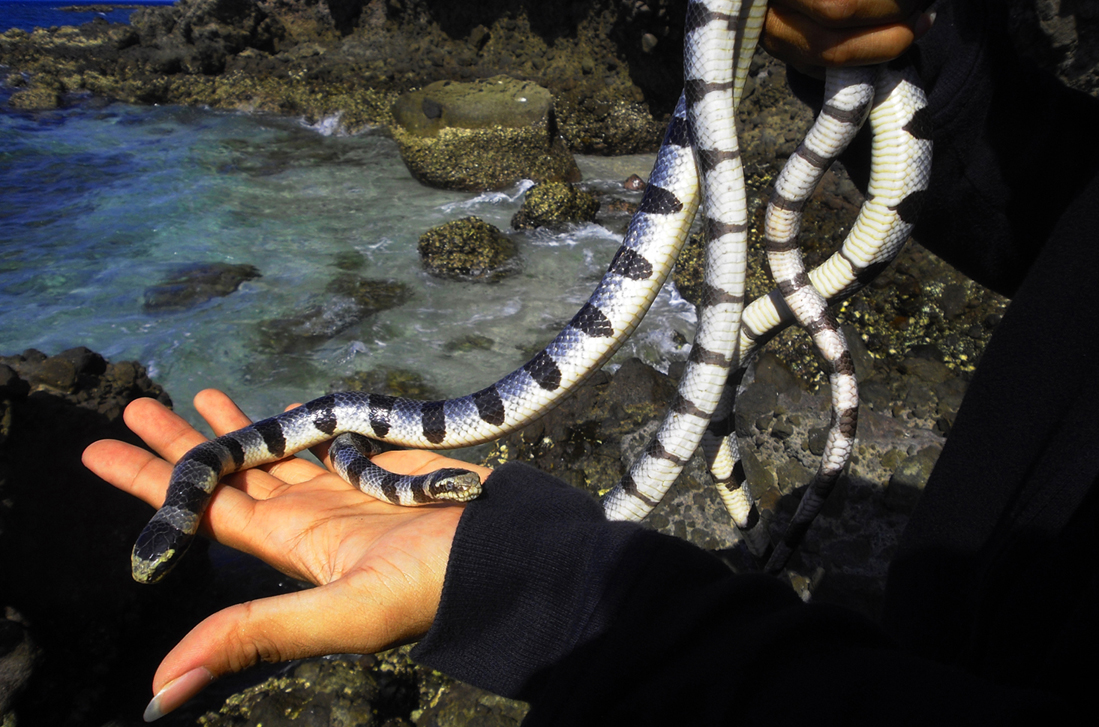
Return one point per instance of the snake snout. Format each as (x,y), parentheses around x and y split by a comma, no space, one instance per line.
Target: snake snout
(456,485)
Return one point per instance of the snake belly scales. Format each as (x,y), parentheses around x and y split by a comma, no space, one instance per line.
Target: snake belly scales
(697,164)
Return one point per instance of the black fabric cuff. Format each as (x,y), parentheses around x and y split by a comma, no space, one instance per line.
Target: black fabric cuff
(527,581)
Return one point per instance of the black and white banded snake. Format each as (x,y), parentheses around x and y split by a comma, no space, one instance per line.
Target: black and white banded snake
(698,163)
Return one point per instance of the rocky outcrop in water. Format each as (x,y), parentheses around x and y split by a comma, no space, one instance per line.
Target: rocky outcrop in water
(555,205)
(614,68)
(468,249)
(486,134)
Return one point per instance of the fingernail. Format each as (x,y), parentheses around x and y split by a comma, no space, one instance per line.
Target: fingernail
(923,24)
(178,691)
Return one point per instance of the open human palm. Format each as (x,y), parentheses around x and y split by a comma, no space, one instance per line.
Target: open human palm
(378,567)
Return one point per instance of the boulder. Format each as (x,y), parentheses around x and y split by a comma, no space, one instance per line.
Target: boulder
(468,249)
(486,134)
(555,205)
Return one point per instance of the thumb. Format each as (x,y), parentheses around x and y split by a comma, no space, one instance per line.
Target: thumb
(290,626)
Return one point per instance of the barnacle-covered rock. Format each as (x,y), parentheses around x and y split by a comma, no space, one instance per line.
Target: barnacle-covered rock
(555,205)
(470,249)
(486,134)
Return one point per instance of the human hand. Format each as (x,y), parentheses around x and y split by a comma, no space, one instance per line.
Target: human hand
(379,567)
(814,34)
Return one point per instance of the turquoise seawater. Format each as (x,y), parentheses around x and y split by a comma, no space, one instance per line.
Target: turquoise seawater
(98,201)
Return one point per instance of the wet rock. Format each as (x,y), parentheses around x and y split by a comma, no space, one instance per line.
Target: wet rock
(472,342)
(18,658)
(38,96)
(468,249)
(315,692)
(555,205)
(348,300)
(481,135)
(590,439)
(194,284)
(466,705)
(391,381)
(688,270)
(613,88)
(909,479)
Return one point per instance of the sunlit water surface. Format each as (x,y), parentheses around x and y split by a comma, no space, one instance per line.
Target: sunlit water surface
(99,201)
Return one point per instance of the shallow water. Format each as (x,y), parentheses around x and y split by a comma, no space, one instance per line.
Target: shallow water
(31,14)
(99,201)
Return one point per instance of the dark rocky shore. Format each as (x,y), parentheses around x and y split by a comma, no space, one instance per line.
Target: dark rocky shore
(65,536)
(613,67)
(80,639)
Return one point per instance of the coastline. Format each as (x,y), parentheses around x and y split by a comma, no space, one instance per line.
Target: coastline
(914,370)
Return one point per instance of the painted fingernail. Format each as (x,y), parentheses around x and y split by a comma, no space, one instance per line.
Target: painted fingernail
(178,691)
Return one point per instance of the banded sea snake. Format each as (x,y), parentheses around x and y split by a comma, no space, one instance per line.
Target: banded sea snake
(720,41)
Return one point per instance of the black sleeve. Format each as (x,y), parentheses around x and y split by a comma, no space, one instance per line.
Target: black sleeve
(1011,149)
(609,623)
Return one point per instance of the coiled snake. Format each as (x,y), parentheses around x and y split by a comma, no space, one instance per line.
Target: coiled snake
(699,160)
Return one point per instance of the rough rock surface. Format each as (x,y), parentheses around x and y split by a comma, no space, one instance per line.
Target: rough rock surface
(384,689)
(468,249)
(614,68)
(555,205)
(315,59)
(485,134)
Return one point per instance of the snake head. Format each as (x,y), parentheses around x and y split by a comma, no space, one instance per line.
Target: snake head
(455,484)
(156,552)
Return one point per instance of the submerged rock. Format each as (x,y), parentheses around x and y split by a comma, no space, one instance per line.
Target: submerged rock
(391,381)
(555,205)
(191,285)
(348,300)
(486,134)
(468,249)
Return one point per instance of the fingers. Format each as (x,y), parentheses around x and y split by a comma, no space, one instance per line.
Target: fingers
(220,411)
(338,618)
(131,469)
(833,33)
(135,470)
(850,13)
(224,416)
(166,432)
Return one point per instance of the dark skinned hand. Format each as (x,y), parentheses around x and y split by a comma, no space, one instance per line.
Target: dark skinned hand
(812,35)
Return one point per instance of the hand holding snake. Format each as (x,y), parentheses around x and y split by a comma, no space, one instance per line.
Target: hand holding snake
(379,567)
(814,34)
